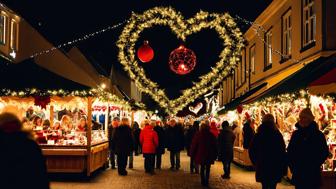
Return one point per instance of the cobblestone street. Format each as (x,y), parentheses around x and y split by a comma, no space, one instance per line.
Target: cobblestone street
(163,179)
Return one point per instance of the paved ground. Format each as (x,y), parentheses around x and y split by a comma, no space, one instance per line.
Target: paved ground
(163,179)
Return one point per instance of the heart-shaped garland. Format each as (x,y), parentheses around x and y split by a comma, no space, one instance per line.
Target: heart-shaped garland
(223,24)
(197,108)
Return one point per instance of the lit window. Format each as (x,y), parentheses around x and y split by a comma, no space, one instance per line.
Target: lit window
(3,19)
(14,35)
(287,34)
(309,22)
(252,59)
(268,49)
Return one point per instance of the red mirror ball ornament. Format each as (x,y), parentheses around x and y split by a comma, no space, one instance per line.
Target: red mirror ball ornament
(182,60)
(145,53)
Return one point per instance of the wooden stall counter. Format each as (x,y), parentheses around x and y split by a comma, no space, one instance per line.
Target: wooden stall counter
(241,157)
(328,180)
(75,159)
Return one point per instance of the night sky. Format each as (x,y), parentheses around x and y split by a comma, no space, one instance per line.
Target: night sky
(64,20)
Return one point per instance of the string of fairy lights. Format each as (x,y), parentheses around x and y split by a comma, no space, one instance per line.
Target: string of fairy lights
(224,25)
(99,93)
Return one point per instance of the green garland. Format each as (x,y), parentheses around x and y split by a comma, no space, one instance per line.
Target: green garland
(223,24)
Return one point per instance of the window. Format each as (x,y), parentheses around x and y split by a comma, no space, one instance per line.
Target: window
(268,50)
(14,35)
(309,22)
(244,67)
(235,78)
(287,34)
(3,20)
(232,89)
(252,59)
(240,78)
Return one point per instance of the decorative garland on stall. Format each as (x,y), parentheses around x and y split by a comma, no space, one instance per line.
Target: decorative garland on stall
(223,24)
(102,95)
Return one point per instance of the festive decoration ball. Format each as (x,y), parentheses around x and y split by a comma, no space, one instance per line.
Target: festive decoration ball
(145,52)
(182,60)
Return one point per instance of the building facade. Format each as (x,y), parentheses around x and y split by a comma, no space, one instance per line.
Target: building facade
(285,37)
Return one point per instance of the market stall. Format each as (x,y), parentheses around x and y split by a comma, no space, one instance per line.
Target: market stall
(59,112)
(286,109)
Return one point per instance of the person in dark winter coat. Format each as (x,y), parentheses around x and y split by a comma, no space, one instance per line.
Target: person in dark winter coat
(307,151)
(204,151)
(188,139)
(111,130)
(21,160)
(161,147)
(248,133)
(268,153)
(136,134)
(149,141)
(123,141)
(225,147)
(175,140)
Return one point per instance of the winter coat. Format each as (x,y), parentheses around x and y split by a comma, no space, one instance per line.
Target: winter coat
(268,154)
(149,140)
(307,151)
(123,140)
(214,129)
(111,131)
(161,135)
(225,144)
(175,138)
(189,137)
(248,134)
(136,134)
(204,148)
(22,163)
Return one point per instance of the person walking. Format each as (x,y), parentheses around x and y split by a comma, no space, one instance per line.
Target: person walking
(149,141)
(194,168)
(22,162)
(307,151)
(123,144)
(248,133)
(268,153)
(204,151)
(136,134)
(175,137)
(226,139)
(161,146)
(111,130)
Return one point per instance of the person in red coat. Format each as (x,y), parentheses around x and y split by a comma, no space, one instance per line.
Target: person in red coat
(214,129)
(149,142)
(204,151)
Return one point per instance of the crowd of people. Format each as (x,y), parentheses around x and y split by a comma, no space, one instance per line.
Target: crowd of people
(205,144)
(202,140)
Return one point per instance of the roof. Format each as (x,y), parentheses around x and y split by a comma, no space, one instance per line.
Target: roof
(28,74)
(300,79)
(236,102)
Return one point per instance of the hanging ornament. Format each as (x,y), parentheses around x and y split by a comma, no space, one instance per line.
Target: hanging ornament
(41,101)
(145,52)
(182,60)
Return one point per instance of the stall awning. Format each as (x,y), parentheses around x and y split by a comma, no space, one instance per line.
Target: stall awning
(300,79)
(325,84)
(233,104)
